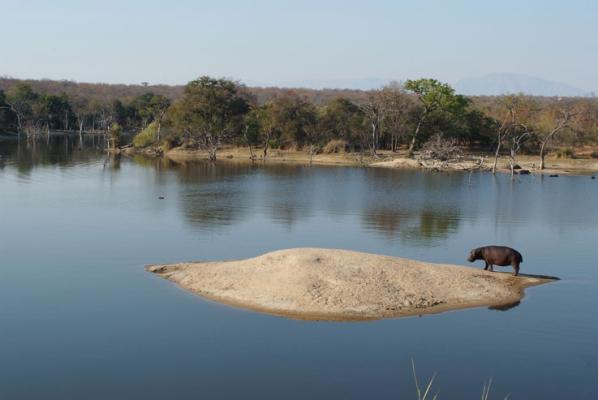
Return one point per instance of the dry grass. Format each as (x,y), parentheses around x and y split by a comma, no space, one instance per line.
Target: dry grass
(423,393)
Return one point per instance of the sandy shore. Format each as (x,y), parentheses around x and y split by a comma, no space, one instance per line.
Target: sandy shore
(385,159)
(327,284)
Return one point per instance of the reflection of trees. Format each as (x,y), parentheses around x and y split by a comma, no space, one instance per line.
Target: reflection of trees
(112,162)
(433,224)
(385,221)
(59,149)
(288,192)
(559,203)
(415,207)
(207,209)
(224,193)
(213,195)
(425,226)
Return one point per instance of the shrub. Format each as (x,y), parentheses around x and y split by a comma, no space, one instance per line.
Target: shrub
(335,146)
(146,137)
(115,132)
(565,152)
(440,148)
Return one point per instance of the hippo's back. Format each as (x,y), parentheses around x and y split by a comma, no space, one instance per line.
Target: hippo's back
(502,254)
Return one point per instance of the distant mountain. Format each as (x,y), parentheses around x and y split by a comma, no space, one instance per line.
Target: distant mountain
(497,84)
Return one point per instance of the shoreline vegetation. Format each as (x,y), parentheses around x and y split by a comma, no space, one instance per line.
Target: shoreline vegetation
(384,159)
(332,284)
(420,123)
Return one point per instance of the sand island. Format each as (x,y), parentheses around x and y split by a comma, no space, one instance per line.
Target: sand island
(331,284)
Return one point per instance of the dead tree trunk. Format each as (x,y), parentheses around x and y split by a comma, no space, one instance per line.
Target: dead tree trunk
(496,154)
(266,143)
(212,143)
(374,138)
(81,121)
(252,156)
(515,146)
(416,135)
(562,123)
(505,129)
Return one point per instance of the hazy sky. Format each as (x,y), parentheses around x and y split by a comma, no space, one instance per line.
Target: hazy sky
(273,42)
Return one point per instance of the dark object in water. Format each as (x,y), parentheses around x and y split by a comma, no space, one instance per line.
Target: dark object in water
(505,307)
(553,175)
(497,255)
(516,166)
(524,172)
(161,197)
(593,177)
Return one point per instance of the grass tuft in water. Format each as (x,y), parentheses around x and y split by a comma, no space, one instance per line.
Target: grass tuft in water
(427,391)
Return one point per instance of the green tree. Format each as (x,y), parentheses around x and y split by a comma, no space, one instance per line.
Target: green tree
(266,117)
(433,97)
(290,115)
(344,120)
(149,107)
(21,99)
(251,130)
(115,134)
(210,111)
(54,111)
(7,117)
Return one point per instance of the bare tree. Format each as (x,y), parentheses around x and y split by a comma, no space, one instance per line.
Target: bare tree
(374,110)
(397,104)
(514,126)
(441,149)
(561,123)
(517,138)
(81,110)
(503,132)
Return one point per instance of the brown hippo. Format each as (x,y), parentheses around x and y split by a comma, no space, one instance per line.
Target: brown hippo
(497,255)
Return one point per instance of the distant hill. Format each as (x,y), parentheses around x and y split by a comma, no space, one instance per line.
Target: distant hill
(498,84)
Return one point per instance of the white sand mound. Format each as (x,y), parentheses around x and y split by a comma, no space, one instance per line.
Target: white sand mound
(331,284)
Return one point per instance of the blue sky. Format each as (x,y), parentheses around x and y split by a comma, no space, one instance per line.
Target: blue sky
(273,42)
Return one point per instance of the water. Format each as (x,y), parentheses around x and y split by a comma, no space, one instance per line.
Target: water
(80,318)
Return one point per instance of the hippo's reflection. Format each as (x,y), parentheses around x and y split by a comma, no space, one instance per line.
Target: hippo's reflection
(505,307)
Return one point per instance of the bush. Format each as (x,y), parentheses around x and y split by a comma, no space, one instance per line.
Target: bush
(115,132)
(147,136)
(335,146)
(565,152)
(440,148)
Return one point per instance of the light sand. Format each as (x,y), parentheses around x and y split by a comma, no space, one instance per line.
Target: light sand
(326,284)
(388,159)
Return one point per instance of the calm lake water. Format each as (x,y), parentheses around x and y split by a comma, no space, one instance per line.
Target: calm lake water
(80,318)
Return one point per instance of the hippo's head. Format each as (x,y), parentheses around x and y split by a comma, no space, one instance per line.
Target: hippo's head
(473,255)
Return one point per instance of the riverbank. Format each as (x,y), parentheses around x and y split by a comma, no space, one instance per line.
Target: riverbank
(384,159)
(330,284)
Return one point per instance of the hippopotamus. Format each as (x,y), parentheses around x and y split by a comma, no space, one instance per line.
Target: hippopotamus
(497,255)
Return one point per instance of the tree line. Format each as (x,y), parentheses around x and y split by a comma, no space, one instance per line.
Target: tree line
(209,113)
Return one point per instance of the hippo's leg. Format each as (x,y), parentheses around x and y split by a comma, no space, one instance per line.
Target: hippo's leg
(515,268)
(491,268)
(486,267)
